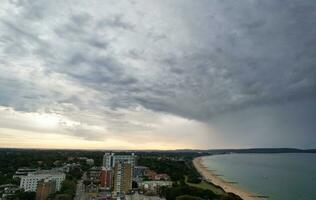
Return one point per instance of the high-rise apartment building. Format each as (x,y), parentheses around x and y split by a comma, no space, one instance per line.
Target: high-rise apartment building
(122,167)
(110,159)
(45,188)
(122,178)
(106,178)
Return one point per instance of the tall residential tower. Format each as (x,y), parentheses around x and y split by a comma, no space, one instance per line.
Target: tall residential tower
(122,178)
(110,159)
(122,167)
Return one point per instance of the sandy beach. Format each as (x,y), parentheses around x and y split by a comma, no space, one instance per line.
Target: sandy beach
(227,186)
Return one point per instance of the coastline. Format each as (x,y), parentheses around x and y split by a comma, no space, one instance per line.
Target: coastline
(225,185)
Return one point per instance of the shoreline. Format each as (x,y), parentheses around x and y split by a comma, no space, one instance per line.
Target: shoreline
(229,187)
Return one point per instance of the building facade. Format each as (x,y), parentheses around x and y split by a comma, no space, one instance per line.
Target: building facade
(122,180)
(153,186)
(29,182)
(90,161)
(140,171)
(45,188)
(106,178)
(23,171)
(118,170)
(110,159)
(93,174)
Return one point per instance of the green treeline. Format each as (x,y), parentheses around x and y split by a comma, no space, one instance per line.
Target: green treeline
(178,170)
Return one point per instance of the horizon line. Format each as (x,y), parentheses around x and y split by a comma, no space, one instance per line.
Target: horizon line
(78,149)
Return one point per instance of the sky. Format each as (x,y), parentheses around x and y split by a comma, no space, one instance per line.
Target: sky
(157,74)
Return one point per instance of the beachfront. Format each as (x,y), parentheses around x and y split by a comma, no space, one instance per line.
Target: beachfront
(227,186)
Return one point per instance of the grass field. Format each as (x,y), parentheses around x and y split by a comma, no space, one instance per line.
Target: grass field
(207,186)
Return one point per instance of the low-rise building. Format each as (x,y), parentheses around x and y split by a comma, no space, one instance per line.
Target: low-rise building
(67,167)
(151,174)
(90,161)
(162,177)
(92,189)
(140,171)
(142,197)
(8,190)
(93,174)
(153,186)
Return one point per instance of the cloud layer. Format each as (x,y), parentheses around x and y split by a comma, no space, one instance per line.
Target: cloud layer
(132,70)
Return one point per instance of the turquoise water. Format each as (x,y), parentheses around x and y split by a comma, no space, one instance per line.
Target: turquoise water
(287,176)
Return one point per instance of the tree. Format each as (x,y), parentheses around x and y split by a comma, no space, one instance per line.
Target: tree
(63,197)
(134,184)
(75,173)
(188,197)
(26,195)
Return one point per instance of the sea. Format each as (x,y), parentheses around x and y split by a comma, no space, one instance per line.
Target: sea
(284,176)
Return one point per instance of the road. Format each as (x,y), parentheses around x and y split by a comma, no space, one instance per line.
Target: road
(80,194)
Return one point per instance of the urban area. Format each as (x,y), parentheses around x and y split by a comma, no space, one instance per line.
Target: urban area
(110,175)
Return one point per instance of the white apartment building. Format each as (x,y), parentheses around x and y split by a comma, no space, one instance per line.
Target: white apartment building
(23,171)
(29,182)
(110,159)
(90,161)
(154,185)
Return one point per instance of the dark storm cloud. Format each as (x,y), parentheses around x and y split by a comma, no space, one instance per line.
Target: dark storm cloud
(265,54)
(259,57)
(194,59)
(289,125)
